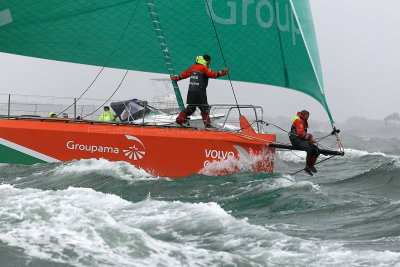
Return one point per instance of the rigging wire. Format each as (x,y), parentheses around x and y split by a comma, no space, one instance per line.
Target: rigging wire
(264,141)
(121,82)
(222,53)
(106,63)
(318,144)
(317,139)
(119,85)
(315,164)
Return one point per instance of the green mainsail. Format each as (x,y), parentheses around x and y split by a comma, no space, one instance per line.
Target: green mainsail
(264,41)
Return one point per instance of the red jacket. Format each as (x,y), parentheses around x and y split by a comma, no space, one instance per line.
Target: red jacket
(300,126)
(203,69)
(199,75)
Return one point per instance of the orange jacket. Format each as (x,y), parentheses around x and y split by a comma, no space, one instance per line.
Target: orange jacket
(300,126)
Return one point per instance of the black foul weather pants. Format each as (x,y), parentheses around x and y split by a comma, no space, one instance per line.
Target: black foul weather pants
(196,100)
(308,146)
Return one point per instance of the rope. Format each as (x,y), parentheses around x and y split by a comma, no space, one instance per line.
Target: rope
(123,79)
(222,53)
(105,64)
(322,138)
(315,164)
(264,141)
(318,140)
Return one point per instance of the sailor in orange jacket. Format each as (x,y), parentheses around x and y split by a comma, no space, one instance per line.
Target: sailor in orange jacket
(301,139)
(199,74)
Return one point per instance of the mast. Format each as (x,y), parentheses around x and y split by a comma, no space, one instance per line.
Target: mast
(164,48)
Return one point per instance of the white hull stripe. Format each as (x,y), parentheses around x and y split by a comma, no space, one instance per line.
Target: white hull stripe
(27,151)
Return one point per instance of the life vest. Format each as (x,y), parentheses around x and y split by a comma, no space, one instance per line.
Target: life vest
(299,128)
(107,116)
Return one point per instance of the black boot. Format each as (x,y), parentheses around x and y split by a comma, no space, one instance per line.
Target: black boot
(312,168)
(308,171)
(182,119)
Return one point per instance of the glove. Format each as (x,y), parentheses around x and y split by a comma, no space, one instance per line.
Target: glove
(309,137)
(223,72)
(175,78)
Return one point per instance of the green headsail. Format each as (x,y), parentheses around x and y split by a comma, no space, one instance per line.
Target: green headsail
(260,38)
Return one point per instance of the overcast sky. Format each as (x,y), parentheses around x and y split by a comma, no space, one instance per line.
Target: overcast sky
(359,45)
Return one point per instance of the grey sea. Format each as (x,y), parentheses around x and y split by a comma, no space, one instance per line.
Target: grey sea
(100,213)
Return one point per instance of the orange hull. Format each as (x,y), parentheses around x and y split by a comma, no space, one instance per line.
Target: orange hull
(161,151)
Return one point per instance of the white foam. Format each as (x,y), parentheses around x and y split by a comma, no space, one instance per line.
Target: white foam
(396,162)
(79,227)
(82,227)
(268,185)
(306,185)
(244,163)
(120,169)
(299,156)
(395,202)
(354,153)
(292,156)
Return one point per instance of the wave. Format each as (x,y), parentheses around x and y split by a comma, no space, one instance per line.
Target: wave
(246,162)
(79,173)
(385,174)
(350,153)
(83,227)
(354,153)
(119,169)
(133,184)
(354,162)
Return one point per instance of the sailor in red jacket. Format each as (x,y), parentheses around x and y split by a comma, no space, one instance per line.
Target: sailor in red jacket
(199,74)
(301,139)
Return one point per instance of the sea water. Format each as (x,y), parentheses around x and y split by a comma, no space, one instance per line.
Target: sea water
(100,213)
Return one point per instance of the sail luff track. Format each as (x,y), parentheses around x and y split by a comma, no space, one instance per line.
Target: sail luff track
(164,48)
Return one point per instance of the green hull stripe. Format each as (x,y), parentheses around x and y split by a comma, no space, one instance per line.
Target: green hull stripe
(14,153)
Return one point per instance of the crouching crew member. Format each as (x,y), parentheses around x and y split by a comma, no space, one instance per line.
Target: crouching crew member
(301,139)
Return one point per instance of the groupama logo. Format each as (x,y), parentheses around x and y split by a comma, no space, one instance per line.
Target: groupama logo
(265,12)
(137,150)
